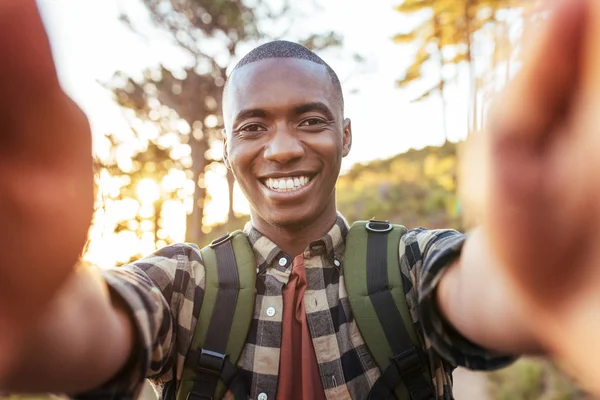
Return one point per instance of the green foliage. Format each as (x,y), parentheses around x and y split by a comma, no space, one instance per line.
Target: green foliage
(416,188)
(533,379)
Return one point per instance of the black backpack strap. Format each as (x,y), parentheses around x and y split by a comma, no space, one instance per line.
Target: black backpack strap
(406,365)
(210,365)
(211,362)
(378,301)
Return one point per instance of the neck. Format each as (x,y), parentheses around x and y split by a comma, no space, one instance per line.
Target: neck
(294,238)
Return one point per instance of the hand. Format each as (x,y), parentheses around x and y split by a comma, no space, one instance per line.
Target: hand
(46,180)
(539,199)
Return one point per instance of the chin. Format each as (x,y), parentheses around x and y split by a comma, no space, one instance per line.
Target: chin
(288,218)
(293,216)
(288,222)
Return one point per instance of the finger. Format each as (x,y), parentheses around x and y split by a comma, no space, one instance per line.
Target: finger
(531,114)
(591,74)
(538,97)
(36,117)
(529,119)
(27,66)
(589,98)
(28,81)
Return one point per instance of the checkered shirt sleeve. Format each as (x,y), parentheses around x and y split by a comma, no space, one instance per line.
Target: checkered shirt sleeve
(163,292)
(427,255)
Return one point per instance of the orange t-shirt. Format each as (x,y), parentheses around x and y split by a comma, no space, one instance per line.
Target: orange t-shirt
(299,376)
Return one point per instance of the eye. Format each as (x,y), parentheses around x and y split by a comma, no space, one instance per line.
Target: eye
(252,128)
(313,122)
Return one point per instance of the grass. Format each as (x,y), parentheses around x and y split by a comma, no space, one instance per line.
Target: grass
(533,379)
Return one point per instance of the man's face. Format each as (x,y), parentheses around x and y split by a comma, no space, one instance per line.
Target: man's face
(285,139)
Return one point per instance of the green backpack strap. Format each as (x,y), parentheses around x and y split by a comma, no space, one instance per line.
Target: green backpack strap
(376,293)
(225,317)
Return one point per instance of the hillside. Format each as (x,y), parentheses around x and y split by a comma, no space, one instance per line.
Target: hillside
(416,188)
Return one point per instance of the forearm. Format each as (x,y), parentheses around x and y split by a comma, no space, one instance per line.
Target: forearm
(81,341)
(45,212)
(475,300)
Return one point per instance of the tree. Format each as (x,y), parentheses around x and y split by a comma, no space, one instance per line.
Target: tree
(446,38)
(416,188)
(186,103)
(180,108)
(149,184)
(184,109)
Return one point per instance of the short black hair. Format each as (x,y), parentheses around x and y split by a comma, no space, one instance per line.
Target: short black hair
(285,49)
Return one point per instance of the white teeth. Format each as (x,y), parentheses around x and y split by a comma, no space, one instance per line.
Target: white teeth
(287,184)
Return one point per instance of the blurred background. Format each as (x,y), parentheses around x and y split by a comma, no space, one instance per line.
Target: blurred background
(418,76)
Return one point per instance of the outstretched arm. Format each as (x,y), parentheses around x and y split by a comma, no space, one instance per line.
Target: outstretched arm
(475,298)
(82,340)
(532,279)
(46,203)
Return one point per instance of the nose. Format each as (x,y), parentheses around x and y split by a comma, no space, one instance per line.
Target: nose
(284,147)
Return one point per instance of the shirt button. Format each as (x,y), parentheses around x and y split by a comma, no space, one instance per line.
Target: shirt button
(337,262)
(283,261)
(262,396)
(270,313)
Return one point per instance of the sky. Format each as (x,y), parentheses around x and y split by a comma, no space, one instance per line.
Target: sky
(90,44)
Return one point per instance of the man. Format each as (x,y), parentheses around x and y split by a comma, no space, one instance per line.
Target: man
(285,136)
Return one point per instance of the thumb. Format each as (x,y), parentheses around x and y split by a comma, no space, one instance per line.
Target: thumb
(27,66)
(496,162)
(542,90)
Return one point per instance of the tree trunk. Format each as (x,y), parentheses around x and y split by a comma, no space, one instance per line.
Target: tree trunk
(157,211)
(444,109)
(472,112)
(230,185)
(442,87)
(193,232)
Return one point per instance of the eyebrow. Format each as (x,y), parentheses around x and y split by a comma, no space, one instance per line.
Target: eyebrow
(314,106)
(249,113)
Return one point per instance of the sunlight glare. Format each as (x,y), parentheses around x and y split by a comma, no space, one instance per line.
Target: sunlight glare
(148,191)
(147,225)
(146,210)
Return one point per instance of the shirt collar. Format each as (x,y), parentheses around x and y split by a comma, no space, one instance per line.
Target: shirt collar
(332,244)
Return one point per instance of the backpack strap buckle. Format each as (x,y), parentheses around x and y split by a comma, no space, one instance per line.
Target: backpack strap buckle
(220,240)
(408,362)
(412,372)
(378,226)
(211,362)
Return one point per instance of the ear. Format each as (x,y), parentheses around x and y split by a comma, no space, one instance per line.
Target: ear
(347,137)
(225,151)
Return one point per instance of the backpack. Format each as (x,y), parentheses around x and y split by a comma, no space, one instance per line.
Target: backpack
(376,294)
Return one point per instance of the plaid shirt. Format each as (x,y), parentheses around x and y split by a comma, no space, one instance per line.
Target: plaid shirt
(165,290)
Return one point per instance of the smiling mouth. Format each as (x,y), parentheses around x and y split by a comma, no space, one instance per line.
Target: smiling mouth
(287,184)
